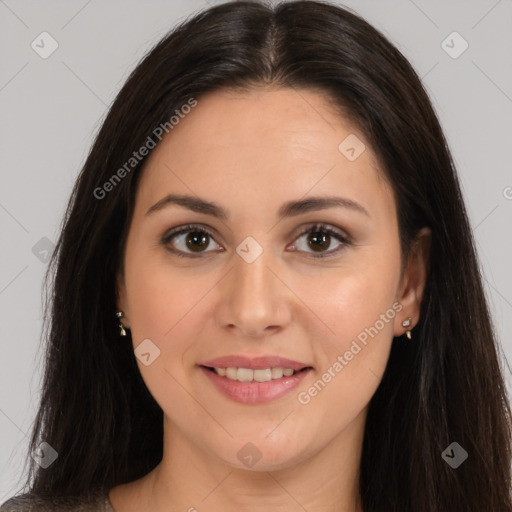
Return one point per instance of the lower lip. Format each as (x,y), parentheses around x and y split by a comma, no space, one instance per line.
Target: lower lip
(255,392)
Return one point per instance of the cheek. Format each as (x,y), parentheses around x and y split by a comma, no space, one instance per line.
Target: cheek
(357,302)
(351,298)
(158,296)
(162,308)
(162,302)
(360,309)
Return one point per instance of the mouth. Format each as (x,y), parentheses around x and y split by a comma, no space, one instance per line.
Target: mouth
(254,380)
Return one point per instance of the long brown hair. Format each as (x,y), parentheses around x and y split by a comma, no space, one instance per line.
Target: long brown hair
(446,386)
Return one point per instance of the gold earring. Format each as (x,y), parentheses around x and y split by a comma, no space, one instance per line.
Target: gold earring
(119,315)
(407,323)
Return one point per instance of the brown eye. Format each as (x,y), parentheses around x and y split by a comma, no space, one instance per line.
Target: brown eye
(187,240)
(319,238)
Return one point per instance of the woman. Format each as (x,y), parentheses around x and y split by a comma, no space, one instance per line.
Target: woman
(266,293)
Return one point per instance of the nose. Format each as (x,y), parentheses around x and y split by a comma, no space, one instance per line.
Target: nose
(254,301)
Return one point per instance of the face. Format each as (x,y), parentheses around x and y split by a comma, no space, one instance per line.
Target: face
(263,282)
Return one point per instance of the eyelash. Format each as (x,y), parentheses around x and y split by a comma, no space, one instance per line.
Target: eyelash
(322,228)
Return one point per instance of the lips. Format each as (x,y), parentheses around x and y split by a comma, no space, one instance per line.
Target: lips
(254,363)
(254,380)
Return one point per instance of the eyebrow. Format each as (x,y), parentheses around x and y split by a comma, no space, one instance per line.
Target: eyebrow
(289,209)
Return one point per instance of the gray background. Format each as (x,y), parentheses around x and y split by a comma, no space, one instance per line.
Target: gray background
(50,109)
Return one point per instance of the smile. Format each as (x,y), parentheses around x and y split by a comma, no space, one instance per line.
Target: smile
(254,379)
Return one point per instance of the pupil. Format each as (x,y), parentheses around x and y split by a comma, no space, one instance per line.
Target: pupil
(324,239)
(195,239)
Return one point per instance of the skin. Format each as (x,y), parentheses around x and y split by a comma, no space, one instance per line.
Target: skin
(250,152)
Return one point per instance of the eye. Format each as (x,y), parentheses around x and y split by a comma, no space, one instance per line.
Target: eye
(320,237)
(191,237)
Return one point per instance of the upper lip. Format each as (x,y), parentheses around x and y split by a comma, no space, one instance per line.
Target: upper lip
(254,363)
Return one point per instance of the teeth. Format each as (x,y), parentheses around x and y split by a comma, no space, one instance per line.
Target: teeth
(244,375)
(262,375)
(277,373)
(248,375)
(231,373)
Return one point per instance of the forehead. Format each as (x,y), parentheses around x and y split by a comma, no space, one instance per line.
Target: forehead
(260,145)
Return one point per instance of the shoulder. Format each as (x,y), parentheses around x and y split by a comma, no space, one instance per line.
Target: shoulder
(33,503)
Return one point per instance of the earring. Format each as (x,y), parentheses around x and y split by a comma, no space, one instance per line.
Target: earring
(119,315)
(407,323)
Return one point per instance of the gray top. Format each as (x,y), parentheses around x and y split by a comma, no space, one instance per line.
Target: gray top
(31,503)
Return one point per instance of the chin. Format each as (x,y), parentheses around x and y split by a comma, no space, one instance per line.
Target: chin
(262,454)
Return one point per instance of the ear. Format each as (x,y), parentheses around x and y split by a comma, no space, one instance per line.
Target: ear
(413,281)
(121,299)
